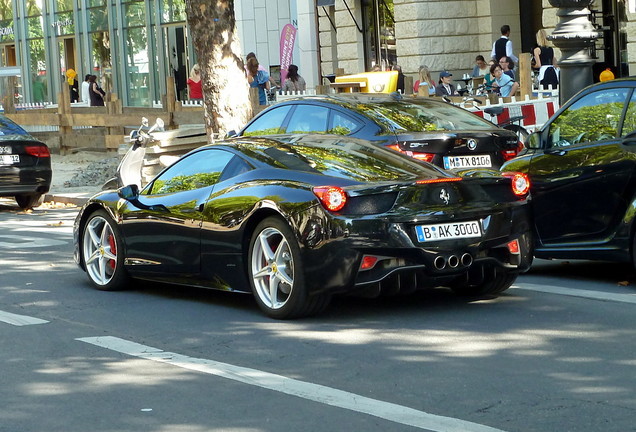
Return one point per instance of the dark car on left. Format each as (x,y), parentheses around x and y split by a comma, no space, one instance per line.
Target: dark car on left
(25,165)
(423,128)
(297,223)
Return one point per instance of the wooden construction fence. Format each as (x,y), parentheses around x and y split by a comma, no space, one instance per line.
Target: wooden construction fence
(73,127)
(105,128)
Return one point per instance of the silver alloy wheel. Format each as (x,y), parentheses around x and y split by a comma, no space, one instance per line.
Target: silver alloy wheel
(272,266)
(100,250)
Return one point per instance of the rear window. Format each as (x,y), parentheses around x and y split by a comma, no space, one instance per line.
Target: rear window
(8,127)
(422,116)
(344,158)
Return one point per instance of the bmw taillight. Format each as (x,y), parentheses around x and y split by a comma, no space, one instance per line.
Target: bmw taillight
(520,182)
(37,151)
(333,198)
(395,146)
(426,157)
(512,153)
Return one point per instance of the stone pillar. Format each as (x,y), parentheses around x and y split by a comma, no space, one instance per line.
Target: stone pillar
(574,35)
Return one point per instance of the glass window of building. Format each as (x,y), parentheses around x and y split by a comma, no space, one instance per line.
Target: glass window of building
(36,59)
(137,57)
(100,43)
(7,36)
(173,10)
(379,34)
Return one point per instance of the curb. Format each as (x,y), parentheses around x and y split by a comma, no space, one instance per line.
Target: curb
(78,199)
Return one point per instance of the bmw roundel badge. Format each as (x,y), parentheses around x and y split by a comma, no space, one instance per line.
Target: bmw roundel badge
(471,144)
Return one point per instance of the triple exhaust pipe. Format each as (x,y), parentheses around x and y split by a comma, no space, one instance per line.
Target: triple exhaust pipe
(452,261)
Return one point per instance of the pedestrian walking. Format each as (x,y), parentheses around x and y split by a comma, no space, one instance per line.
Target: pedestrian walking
(503,46)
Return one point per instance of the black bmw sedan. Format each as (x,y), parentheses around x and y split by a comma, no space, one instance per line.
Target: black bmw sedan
(426,129)
(296,224)
(582,166)
(25,165)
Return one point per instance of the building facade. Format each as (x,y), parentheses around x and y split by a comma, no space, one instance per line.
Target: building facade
(134,45)
(448,34)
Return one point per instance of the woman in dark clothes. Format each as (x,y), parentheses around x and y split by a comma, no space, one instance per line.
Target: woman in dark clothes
(96,92)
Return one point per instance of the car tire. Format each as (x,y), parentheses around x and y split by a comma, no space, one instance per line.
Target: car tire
(275,271)
(27,202)
(494,282)
(102,253)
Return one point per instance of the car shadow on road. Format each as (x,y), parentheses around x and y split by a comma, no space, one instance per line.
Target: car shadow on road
(592,271)
(429,301)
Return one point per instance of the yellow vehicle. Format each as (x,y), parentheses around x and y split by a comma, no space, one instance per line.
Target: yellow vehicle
(368,82)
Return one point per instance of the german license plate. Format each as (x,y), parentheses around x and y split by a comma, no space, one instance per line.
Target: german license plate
(448,231)
(476,161)
(9,159)
(5,149)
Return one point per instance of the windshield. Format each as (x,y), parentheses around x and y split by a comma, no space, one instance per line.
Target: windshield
(422,116)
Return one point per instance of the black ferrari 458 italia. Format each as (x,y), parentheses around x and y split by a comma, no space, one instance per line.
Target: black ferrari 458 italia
(297,223)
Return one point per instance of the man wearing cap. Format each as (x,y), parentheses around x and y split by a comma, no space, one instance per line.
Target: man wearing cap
(445,88)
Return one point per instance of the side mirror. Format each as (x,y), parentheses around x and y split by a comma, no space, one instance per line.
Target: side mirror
(533,142)
(231,134)
(630,137)
(159,124)
(129,193)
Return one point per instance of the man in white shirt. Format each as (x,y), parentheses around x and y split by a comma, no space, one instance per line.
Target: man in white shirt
(502,47)
(86,97)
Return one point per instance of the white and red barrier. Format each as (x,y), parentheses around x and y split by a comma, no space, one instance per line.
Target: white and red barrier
(535,112)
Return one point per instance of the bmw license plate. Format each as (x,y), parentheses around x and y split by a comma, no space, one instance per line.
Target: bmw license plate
(448,231)
(476,161)
(9,159)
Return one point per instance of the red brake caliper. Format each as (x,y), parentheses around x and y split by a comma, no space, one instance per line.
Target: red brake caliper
(113,249)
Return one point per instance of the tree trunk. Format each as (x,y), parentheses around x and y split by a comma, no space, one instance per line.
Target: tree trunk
(225,89)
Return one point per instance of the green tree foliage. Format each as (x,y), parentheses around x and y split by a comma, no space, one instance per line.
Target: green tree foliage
(588,123)
(183,183)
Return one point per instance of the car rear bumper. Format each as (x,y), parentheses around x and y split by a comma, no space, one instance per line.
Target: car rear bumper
(401,263)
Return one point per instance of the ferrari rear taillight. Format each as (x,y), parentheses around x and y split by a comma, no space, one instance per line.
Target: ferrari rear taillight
(368,262)
(520,182)
(333,198)
(513,247)
(37,151)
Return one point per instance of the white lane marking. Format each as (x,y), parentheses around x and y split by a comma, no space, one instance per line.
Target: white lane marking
(9,241)
(19,320)
(314,392)
(572,292)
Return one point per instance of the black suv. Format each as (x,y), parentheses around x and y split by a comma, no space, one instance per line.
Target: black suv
(582,166)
